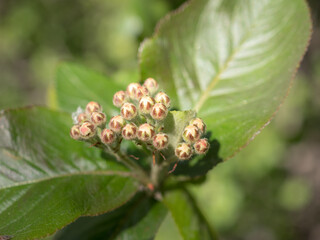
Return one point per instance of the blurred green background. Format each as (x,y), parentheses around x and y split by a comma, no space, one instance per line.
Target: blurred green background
(269,191)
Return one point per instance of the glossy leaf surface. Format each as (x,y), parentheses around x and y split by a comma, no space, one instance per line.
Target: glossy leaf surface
(48,180)
(76,85)
(230,60)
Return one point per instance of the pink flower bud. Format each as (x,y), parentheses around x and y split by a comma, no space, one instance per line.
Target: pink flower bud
(145,104)
(107,136)
(151,85)
(146,132)
(98,119)
(129,131)
(159,111)
(128,111)
(183,151)
(141,91)
(201,146)
(75,132)
(132,90)
(93,107)
(119,98)
(163,98)
(117,123)
(82,117)
(87,130)
(160,141)
(191,134)
(199,124)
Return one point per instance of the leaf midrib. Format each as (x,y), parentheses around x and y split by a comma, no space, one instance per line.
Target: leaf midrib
(205,95)
(93,173)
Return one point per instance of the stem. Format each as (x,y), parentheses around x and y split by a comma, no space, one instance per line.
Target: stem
(137,170)
(159,172)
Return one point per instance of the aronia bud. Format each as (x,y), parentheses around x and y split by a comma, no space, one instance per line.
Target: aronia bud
(119,98)
(129,131)
(160,141)
(151,85)
(107,136)
(75,132)
(159,111)
(82,117)
(145,104)
(201,146)
(132,90)
(87,130)
(183,151)
(198,122)
(146,132)
(99,119)
(93,107)
(141,91)
(117,123)
(163,98)
(191,134)
(128,111)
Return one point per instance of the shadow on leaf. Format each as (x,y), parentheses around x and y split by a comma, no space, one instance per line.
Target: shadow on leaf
(130,219)
(200,165)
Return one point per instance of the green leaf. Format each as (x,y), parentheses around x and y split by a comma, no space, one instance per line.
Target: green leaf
(143,222)
(174,125)
(48,180)
(138,219)
(230,60)
(168,230)
(77,85)
(186,221)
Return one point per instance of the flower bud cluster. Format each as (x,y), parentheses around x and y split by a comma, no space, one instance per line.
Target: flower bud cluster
(91,124)
(193,143)
(88,121)
(143,110)
(142,100)
(141,106)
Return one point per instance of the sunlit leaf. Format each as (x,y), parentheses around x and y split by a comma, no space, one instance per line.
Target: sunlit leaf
(230,60)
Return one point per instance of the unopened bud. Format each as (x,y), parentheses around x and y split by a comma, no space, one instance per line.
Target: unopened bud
(159,111)
(75,132)
(163,98)
(98,119)
(128,111)
(119,98)
(198,122)
(160,141)
(191,134)
(82,117)
(201,146)
(132,90)
(117,123)
(151,85)
(145,104)
(146,132)
(129,131)
(141,91)
(107,136)
(93,107)
(87,130)
(183,151)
